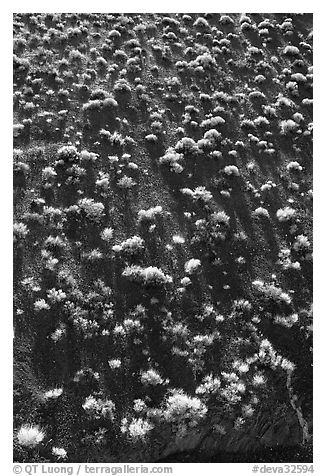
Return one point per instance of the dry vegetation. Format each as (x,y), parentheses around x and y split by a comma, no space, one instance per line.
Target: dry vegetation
(163,237)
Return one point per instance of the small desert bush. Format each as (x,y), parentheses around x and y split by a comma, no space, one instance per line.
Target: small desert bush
(285,214)
(288,126)
(200,194)
(183,410)
(172,159)
(272,292)
(261,212)
(131,246)
(192,266)
(67,153)
(150,214)
(291,50)
(98,408)
(232,170)
(92,210)
(126,183)
(151,377)
(151,275)
(187,146)
(20,231)
(30,436)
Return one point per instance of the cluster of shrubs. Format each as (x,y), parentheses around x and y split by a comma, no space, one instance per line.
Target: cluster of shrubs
(150,276)
(75,233)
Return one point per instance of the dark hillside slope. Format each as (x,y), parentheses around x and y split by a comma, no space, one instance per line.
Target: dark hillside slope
(163,237)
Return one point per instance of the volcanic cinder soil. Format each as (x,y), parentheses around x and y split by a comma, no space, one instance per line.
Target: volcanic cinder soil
(162,237)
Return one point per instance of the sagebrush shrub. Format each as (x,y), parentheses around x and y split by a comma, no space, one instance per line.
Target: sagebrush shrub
(187,146)
(182,409)
(301,243)
(192,266)
(59,453)
(97,408)
(173,159)
(288,126)
(291,50)
(30,436)
(68,153)
(150,214)
(261,212)
(232,170)
(285,214)
(148,276)
(93,210)
(126,183)
(131,246)
(151,377)
(20,231)
(137,429)
(199,194)
(272,292)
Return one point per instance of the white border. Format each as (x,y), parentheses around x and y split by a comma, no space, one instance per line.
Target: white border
(231,6)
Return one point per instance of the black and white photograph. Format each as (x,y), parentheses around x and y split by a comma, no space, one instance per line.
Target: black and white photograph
(162,239)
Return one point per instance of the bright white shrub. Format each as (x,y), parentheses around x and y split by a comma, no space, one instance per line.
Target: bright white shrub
(187,146)
(150,214)
(147,276)
(60,453)
(151,377)
(258,380)
(59,333)
(138,429)
(210,385)
(185,281)
(231,170)
(56,295)
(178,240)
(30,436)
(173,159)
(285,260)
(139,405)
(97,408)
(201,23)
(301,243)
(93,210)
(181,408)
(220,218)
(226,20)
(151,138)
(291,50)
(114,363)
(103,183)
(107,234)
(41,305)
(126,182)
(286,321)
(67,153)
(261,212)
(192,266)
(48,173)
(20,231)
(294,166)
(53,394)
(130,246)
(200,193)
(269,185)
(288,126)
(285,214)
(212,122)
(272,292)
(206,61)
